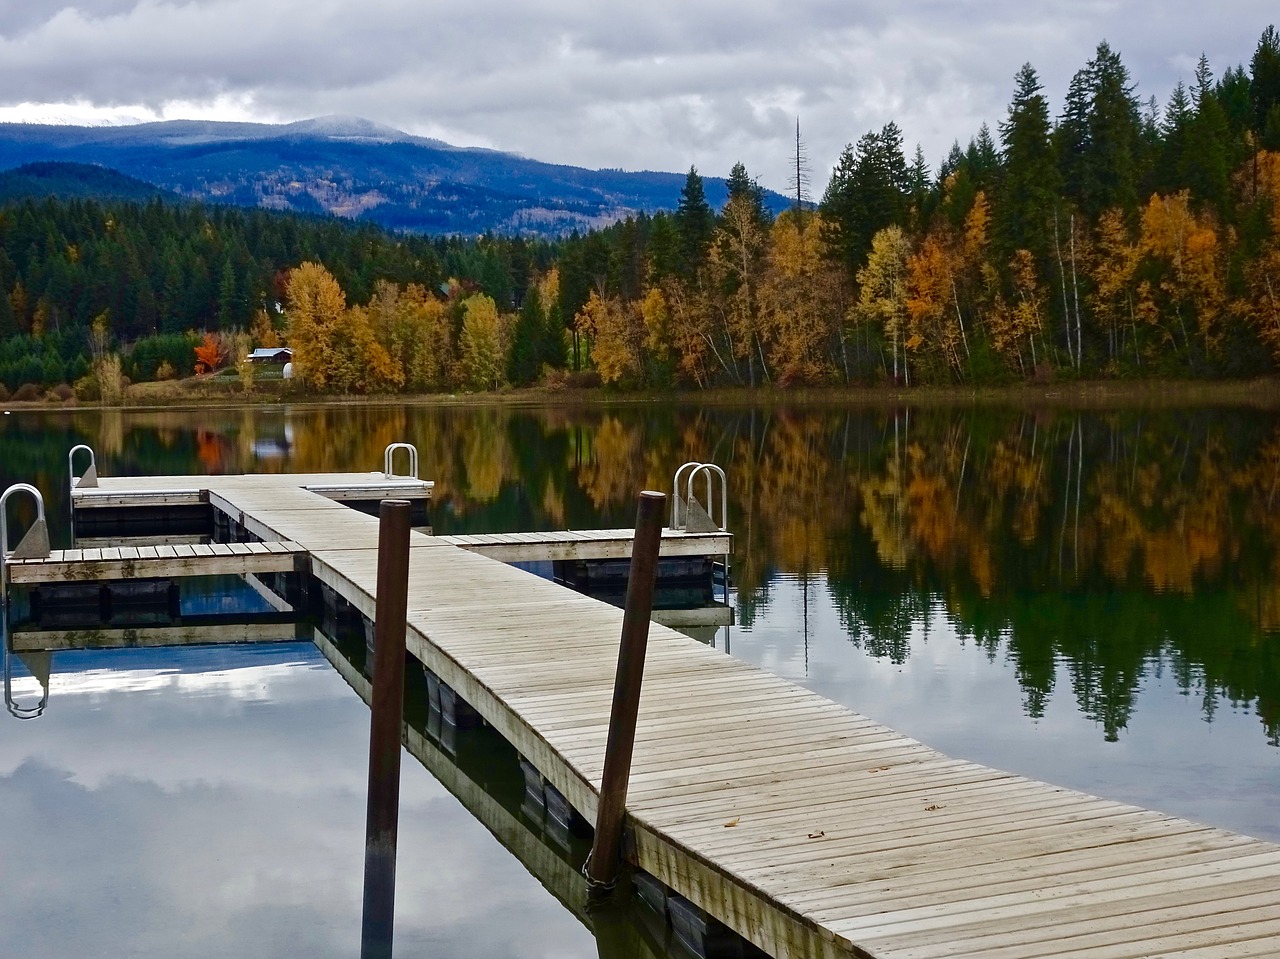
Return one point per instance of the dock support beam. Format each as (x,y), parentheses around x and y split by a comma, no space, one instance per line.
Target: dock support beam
(387,710)
(605,859)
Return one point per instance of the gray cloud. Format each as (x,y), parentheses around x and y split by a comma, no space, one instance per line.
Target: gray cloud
(660,85)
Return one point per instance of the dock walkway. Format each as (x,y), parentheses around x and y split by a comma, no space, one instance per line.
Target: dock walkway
(809,829)
(589,544)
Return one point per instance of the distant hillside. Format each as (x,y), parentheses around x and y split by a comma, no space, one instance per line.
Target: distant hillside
(354,168)
(67,180)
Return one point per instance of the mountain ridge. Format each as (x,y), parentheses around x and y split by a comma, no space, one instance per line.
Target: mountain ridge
(359,169)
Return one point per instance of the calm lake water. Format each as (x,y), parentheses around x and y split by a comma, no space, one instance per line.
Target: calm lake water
(1091,599)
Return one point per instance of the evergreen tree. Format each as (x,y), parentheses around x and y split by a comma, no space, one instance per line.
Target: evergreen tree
(1174,129)
(664,248)
(1029,189)
(695,224)
(1099,139)
(869,190)
(8,323)
(741,186)
(1204,166)
(525,359)
(1264,89)
(983,160)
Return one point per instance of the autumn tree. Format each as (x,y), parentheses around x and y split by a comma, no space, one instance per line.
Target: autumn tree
(1184,252)
(736,262)
(315,308)
(414,328)
(616,332)
(1113,269)
(883,294)
(934,321)
(655,314)
(801,299)
(483,344)
(210,354)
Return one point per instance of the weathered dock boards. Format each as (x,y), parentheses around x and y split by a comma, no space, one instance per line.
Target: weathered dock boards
(811,830)
(135,491)
(154,562)
(561,545)
(132,637)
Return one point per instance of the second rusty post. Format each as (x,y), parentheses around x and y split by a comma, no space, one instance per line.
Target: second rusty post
(606,852)
(387,708)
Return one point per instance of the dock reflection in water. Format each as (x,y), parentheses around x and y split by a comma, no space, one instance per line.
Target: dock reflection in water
(206,799)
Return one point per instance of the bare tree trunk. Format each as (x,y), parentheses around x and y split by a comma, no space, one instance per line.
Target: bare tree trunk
(964,338)
(1075,287)
(1062,273)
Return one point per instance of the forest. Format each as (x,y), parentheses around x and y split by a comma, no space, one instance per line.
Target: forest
(1117,238)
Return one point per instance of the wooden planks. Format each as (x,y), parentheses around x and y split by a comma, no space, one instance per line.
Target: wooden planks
(154,562)
(146,636)
(562,545)
(126,491)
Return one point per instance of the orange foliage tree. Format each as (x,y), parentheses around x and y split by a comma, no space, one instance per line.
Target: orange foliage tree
(210,354)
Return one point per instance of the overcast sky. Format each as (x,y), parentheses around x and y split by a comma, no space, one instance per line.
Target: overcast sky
(644,84)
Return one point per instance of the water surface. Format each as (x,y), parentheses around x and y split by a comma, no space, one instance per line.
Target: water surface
(1091,599)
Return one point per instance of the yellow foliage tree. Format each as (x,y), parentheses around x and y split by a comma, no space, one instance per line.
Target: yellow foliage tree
(616,332)
(315,308)
(657,323)
(934,318)
(801,297)
(1187,250)
(883,297)
(414,328)
(1261,304)
(1113,268)
(483,345)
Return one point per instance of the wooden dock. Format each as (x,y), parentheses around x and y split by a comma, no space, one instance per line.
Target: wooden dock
(102,564)
(809,829)
(566,545)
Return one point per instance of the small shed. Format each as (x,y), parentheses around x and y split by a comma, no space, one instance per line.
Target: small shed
(277,354)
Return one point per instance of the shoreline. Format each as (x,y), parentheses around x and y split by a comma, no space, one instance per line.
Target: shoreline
(1263,394)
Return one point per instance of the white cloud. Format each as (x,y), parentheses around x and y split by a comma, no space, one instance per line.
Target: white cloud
(658,86)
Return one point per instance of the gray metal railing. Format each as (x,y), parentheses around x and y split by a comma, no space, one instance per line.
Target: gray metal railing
(34,544)
(388,461)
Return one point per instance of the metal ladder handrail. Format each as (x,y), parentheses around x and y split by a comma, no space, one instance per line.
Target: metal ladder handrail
(696,469)
(15,710)
(39,524)
(388,461)
(90,476)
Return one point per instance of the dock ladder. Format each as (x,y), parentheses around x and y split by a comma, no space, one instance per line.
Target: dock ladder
(690,516)
(33,545)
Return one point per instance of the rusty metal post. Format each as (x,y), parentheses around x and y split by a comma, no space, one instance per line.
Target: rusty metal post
(387,710)
(605,859)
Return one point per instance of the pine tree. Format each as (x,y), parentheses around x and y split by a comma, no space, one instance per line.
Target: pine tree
(525,360)
(1029,189)
(694,223)
(1174,129)
(1204,167)
(1264,89)
(1114,135)
(869,190)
